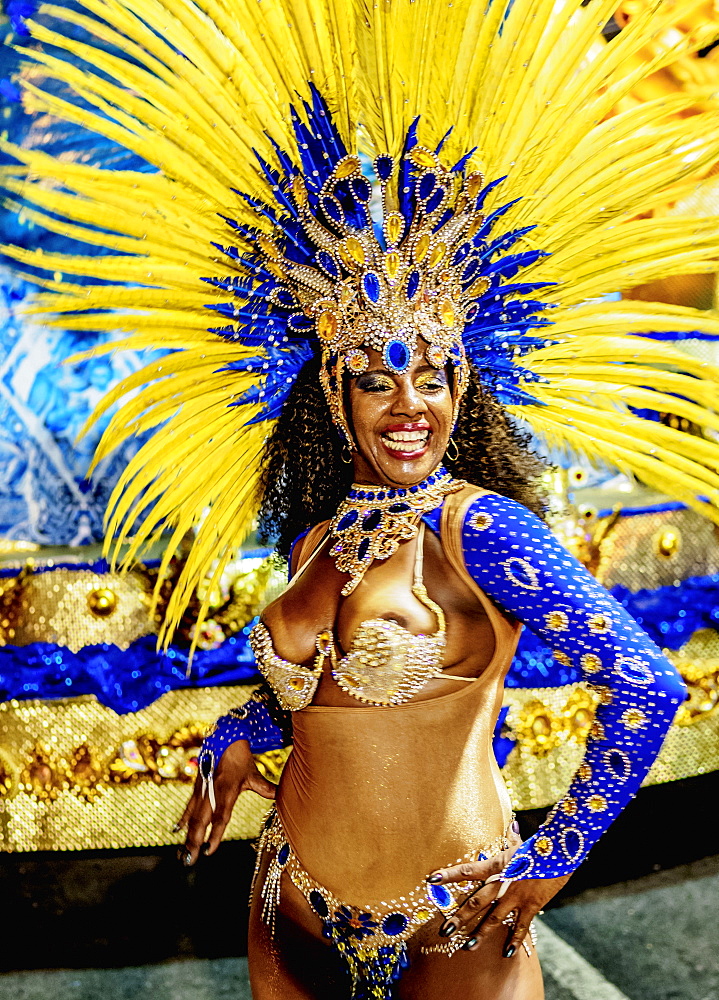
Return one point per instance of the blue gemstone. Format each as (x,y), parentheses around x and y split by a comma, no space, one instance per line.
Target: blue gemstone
(362,548)
(283,854)
(362,189)
(371,286)
(518,866)
(426,186)
(384,165)
(318,904)
(470,270)
(392,494)
(461,253)
(435,201)
(618,764)
(394,923)
(371,520)
(412,284)
(299,321)
(380,496)
(440,895)
(347,521)
(333,209)
(327,263)
(414,489)
(284,297)
(398,508)
(572,843)
(397,355)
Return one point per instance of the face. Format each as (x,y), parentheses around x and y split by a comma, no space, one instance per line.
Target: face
(401,422)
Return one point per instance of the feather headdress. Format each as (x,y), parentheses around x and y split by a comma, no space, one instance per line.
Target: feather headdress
(254,244)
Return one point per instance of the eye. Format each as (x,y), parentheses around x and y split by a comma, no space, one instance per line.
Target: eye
(374,383)
(431,383)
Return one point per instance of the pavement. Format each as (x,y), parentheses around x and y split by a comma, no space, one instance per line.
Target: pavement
(650,938)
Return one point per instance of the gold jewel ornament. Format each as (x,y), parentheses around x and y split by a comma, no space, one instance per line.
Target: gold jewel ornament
(372,521)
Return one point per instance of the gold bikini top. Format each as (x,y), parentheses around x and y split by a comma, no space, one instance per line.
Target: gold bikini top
(386,663)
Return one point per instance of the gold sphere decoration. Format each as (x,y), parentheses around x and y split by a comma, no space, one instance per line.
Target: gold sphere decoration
(102,602)
(667,542)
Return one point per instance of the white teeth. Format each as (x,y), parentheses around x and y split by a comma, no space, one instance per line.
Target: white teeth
(405,441)
(405,435)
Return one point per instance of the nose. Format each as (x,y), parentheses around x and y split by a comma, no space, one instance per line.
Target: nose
(409,402)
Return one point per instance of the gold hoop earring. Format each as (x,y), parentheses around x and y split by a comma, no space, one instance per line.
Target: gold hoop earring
(452,458)
(346,447)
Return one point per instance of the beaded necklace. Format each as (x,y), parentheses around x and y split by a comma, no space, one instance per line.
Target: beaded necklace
(372,521)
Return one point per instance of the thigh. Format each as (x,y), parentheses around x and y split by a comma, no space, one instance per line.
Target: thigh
(296,962)
(470,975)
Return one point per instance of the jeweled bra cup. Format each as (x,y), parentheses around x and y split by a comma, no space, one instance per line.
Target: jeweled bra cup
(386,664)
(293,684)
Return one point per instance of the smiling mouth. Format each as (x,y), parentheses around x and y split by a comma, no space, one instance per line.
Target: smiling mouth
(406,442)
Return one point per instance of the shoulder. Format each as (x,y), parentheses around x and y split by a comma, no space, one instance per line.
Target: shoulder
(304,545)
(478,511)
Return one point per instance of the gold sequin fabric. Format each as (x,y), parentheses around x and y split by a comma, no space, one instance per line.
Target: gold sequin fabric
(76,775)
(75,607)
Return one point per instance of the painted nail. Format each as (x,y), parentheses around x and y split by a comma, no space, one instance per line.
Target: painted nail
(469,944)
(515,826)
(508,952)
(185,858)
(446,930)
(206,848)
(434,878)
(176,828)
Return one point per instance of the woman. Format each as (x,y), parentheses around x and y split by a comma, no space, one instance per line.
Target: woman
(378,806)
(358,321)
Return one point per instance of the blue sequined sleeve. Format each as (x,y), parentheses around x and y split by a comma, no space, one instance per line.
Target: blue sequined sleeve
(517,561)
(251,722)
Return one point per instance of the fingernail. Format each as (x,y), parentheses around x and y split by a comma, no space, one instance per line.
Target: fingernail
(508,952)
(185,858)
(206,848)
(469,944)
(446,930)
(515,826)
(176,828)
(434,878)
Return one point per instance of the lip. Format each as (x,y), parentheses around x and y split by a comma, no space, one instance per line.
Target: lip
(407,456)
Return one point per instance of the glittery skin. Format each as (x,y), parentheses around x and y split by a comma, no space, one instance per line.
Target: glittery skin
(561,602)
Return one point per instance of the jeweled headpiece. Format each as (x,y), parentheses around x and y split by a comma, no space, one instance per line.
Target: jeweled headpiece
(339,275)
(323,254)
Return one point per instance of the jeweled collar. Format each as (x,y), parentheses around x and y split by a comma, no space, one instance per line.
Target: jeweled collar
(372,521)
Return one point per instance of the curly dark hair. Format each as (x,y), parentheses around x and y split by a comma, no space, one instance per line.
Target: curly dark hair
(304,477)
